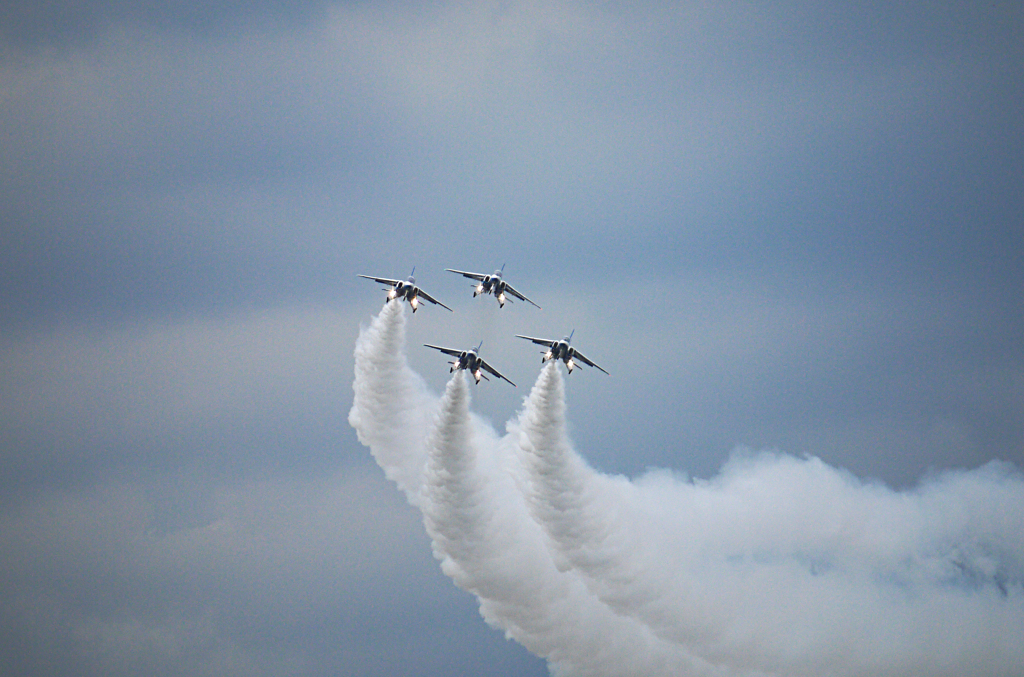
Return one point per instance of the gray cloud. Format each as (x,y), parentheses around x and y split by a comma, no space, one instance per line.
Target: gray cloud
(224,393)
(531,125)
(40,26)
(275,573)
(811,213)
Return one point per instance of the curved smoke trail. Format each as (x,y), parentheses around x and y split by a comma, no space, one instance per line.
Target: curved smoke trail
(391,408)
(777,566)
(487,543)
(788,566)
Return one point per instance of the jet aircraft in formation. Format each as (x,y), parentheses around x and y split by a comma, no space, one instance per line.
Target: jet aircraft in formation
(493,284)
(405,289)
(471,361)
(561,350)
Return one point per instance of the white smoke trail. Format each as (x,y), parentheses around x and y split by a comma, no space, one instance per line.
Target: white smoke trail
(392,410)
(778,566)
(487,543)
(478,519)
(788,566)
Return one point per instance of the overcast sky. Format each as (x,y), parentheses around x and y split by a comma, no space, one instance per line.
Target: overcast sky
(795,227)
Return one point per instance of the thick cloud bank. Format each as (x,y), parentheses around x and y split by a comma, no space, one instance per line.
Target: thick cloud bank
(779,565)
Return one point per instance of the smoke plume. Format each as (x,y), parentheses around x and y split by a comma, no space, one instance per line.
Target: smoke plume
(487,543)
(777,566)
(391,409)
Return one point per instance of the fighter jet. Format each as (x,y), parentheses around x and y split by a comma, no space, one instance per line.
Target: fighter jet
(406,289)
(471,361)
(561,350)
(493,284)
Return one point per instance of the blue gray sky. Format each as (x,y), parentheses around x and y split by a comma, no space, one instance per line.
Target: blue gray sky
(795,227)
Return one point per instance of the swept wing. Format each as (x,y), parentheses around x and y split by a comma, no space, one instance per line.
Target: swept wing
(383,280)
(582,358)
(474,276)
(430,298)
(446,351)
(539,341)
(519,296)
(492,370)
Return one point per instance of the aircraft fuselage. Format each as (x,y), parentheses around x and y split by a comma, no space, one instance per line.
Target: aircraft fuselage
(492,284)
(406,290)
(470,361)
(561,351)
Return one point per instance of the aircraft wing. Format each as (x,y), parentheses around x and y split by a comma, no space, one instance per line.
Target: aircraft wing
(446,351)
(494,371)
(582,358)
(474,276)
(432,299)
(382,280)
(519,296)
(538,341)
